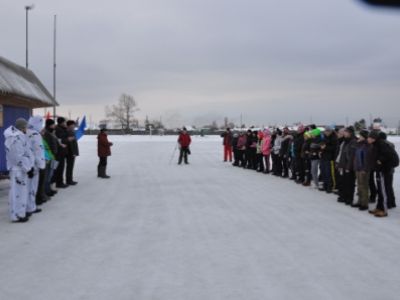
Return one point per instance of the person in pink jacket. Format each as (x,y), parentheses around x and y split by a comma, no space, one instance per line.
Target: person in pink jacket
(266,149)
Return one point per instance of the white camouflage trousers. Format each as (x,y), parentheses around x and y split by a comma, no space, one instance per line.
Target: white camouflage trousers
(33,184)
(18,197)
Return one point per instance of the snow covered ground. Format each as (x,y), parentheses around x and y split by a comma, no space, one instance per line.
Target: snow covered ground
(204,231)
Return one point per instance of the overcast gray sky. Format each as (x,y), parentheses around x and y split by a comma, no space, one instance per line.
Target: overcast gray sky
(273,61)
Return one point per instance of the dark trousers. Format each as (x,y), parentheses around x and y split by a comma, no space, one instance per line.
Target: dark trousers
(285,166)
(347,187)
(183,154)
(260,162)
(58,176)
(307,170)
(241,158)
(41,191)
(70,168)
(373,190)
(236,157)
(328,174)
(386,198)
(277,164)
(102,161)
(267,163)
(299,169)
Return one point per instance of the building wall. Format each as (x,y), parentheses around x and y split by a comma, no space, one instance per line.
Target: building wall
(10,114)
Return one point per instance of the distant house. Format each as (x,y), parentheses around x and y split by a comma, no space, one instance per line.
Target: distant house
(20,92)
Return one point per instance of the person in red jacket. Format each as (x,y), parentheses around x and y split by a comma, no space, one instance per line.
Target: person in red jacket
(103,151)
(184,141)
(227,143)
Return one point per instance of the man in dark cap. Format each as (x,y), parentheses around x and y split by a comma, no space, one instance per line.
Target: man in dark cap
(72,152)
(62,136)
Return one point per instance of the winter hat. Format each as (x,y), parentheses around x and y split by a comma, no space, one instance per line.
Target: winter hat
(382,135)
(49,122)
(35,123)
(364,133)
(329,129)
(60,120)
(267,132)
(374,135)
(21,123)
(350,129)
(70,122)
(301,128)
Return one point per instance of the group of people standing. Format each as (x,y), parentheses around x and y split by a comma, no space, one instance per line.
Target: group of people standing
(40,160)
(330,159)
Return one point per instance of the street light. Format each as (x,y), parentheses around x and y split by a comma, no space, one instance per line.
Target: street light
(27,8)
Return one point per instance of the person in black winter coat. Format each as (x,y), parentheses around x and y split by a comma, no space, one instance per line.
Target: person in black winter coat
(328,150)
(297,150)
(345,164)
(284,152)
(386,161)
(72,152)
(62,136)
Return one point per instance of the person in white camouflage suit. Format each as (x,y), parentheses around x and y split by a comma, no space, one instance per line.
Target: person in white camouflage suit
(35,142)
(20,166)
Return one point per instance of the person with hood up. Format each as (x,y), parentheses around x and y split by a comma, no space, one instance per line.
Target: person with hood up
(35,142)
(266,150)
(20,166)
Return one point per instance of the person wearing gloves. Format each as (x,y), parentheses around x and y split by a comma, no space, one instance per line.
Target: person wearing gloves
(19,163)
(35,125)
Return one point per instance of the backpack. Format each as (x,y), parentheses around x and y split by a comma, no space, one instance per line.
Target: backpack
(394,156)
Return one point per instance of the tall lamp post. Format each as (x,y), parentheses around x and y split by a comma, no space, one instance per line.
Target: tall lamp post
(27,9)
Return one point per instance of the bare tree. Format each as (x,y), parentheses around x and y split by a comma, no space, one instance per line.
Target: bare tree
(123,113)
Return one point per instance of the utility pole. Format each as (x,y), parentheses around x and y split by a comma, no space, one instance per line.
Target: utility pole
(27,9)
(54,64)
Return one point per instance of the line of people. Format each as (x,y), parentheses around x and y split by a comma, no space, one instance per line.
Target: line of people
(38,160)
(332,160)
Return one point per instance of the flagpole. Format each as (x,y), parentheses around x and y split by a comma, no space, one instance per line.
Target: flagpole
(54,64)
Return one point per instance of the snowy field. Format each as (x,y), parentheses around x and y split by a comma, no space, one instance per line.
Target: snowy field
(206,231)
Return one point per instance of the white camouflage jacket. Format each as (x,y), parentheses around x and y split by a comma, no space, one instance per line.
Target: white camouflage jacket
(18,153)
